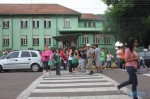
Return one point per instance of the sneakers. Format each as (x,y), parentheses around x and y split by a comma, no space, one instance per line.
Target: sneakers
(118,90)
(91,73)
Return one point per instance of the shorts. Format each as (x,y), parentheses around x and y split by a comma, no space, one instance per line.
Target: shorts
(45,66)
(75,65)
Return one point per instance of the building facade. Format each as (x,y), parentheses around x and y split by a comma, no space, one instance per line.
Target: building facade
(31,26)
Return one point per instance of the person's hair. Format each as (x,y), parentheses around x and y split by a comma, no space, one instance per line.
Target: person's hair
(119,47)
(130,44)
(58,50)
(73,50)
(107,52)
(96,45)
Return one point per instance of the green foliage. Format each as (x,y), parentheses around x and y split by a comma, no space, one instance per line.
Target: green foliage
(128,18)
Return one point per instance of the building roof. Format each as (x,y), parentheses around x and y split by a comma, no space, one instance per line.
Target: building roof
(35,9)
(89,16)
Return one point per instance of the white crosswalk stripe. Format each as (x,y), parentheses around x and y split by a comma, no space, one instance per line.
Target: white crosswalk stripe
(76,87)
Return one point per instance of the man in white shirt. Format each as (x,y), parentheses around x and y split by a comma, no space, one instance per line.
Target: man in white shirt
(118,53)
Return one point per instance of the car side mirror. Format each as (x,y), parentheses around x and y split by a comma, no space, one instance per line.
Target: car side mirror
(7,57)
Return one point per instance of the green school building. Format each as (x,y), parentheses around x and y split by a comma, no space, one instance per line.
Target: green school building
(31,26)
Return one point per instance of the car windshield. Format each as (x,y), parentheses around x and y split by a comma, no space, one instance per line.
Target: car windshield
(4,56)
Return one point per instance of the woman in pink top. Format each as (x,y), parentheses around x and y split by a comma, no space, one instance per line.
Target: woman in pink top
(131,59)
(45,59)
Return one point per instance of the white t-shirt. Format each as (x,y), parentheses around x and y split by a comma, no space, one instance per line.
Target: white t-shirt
(119,51)
(109,56)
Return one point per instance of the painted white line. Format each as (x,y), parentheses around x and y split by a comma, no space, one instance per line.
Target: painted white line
(87,97)
(75,77)
(26,93)
(146,74)
(73,80)
(75,90)
(75,84)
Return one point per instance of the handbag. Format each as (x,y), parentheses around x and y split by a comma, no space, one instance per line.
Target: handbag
(142,68)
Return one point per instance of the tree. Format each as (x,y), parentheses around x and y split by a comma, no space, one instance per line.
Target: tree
(128,18)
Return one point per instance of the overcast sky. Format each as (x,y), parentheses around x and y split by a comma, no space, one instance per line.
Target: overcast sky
(84,6)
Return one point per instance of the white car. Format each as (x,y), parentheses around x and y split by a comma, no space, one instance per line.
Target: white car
(26,59)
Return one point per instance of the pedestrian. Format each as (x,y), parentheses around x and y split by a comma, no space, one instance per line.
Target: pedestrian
(45,59)
(75,60)
(57,61)
(70,61)
(82,54)
(123,59)
(5,52)
(118,53)
(102,58)
(109,57)
(131,59)
(97,59)
(90,59)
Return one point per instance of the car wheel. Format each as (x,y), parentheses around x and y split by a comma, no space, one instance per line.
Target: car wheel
(1,69)
(35,67)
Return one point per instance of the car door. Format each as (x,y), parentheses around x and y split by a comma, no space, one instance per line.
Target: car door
(24,60)
(12,60)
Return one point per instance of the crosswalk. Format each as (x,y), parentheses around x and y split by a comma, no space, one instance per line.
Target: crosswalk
(81,86)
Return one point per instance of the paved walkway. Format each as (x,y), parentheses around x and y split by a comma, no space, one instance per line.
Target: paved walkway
(81,86)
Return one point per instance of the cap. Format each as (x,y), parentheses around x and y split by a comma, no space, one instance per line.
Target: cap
(88,44)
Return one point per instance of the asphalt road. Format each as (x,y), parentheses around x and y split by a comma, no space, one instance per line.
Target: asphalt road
(14,82)
(121,76)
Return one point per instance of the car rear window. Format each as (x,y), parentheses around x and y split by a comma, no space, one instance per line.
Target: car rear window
(34,54)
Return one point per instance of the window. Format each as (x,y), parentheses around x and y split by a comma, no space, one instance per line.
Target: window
(47,40)
(107,40)
(35,40)
(25,54)
(47,23)
(34,54)
(23,40)
(13,55)
(24,23)
(5,41)
(35,23)
(93,24)
(67,22)
(85,39)
(96,39)
(5,23)
(89,24)
(85,24)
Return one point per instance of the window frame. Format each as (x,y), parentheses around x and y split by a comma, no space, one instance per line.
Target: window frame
(47,22)
(5,23)
(24,23)
(5,40)
(85,39)
(47,40)
(35,23)
(96,39)
(34,38)
(107,40)
(24,40)
(67,22)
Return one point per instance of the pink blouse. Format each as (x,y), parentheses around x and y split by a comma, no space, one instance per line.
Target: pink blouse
(129,54)
(46,55)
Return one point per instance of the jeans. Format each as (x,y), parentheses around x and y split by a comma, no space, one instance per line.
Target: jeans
(118,62)
(108,64)
(58,68)
(132,80)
